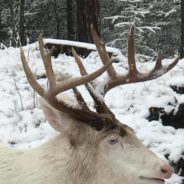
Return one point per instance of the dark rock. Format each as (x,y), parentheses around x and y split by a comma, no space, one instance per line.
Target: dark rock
(179,167)
(178,89)
(58,49)
(65,49)
(155,113)
(175,120)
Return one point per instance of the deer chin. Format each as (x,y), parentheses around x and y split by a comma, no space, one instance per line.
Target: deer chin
(152,180)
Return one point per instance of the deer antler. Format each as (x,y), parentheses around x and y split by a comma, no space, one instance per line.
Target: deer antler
(82,113)
(103,117)
(101,107)
(133,74)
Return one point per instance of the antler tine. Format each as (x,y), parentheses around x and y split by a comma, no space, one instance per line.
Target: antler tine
(70,83)
(102,52)
(158,64)
(79,63)
(80,99)
(159,69)
(56,88)
(131,52)
(46,57)
(32,81)
(60,87)
(101,107)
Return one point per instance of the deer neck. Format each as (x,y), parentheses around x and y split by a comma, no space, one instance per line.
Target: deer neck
(74,164)
(81,168)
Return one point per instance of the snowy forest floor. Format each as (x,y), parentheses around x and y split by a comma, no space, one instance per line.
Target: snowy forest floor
(23,125)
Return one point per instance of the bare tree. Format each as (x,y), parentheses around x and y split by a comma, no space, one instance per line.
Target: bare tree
(21,23)
(182,30)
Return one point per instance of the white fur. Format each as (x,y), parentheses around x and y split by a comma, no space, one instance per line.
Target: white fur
(80,155)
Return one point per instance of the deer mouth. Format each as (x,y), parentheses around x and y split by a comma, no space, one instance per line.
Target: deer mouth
(153,180)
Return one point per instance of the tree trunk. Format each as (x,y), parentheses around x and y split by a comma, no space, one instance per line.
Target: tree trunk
(57,29)
(22,27)
(71,20)
(88,12)
(182,29)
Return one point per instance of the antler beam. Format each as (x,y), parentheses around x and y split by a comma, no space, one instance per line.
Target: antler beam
(133,75)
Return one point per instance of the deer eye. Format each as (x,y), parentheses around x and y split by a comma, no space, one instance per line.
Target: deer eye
(113,141)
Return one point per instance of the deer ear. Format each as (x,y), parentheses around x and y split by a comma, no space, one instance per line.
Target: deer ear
(58,120)
(51,114)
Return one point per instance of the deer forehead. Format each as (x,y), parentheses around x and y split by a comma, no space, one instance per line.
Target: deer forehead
(84,134)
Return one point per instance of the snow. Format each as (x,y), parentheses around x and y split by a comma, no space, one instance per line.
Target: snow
(170,12)
(133,1)
(114,18)
(25,127)
(88,46)
(121,24)
(152,29)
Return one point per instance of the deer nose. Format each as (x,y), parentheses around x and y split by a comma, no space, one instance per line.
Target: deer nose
(167,171)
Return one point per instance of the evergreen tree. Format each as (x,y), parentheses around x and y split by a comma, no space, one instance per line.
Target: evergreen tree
(11,18)
(3,32)
(182,29)
(21,23)
(155,21)
(57,15)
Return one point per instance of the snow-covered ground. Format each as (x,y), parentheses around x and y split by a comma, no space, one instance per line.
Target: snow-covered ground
(23,125)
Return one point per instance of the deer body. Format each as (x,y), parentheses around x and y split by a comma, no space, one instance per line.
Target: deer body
(61,161)
(93,147)
(40,165)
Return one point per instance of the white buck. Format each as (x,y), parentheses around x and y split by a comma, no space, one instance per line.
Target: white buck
(93,147)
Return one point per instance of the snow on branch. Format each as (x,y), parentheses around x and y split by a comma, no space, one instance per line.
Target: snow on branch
(88,46)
